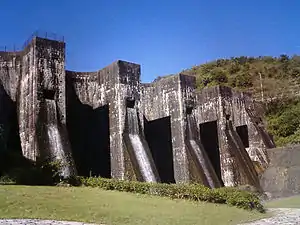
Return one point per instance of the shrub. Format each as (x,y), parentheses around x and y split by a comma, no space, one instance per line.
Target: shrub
(6,180)
(72,180)
(195,192)
(13,159)
(39,173)
(283,121)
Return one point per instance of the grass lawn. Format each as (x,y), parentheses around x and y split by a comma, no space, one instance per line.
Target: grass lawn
(110,207)
(291,202)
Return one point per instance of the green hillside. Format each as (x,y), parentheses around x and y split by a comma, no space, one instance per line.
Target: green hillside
(273,80)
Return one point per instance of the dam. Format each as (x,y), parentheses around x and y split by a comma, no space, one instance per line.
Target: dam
(108,123)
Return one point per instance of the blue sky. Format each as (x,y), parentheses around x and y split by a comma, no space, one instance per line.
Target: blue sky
(163,36)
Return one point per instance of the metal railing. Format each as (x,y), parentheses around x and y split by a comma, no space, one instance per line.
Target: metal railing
(44,34)
(38,33)
(10,49)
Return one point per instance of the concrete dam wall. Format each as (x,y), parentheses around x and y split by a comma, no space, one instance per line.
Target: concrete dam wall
(282,177)
(107,123)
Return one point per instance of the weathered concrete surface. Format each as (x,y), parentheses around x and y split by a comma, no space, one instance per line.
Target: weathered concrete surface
(111,86)
(29,78)
(282,177)
(106,123)
(174,97)
(223,104)
(10,67)
(164,98)
(250,113)
(200,163)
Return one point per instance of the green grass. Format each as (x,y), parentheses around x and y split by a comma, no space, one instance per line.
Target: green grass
(291,202)
(110,207)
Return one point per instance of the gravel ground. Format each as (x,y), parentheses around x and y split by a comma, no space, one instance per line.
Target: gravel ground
(282,216)
(39,222)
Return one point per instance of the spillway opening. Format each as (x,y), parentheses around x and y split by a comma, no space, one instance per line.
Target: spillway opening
(159,138)
(130,103)
(210,142)
(14,142)
(89,136)
(189,110)
(243,133)
(49,94)
(10,145)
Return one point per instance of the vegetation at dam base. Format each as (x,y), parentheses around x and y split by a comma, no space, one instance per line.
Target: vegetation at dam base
(195,192)
(95,199)
(47,173)
(16,169)
(275,81)
(86,204)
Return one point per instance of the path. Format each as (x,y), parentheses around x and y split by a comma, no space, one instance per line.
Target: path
(282,216)
(39,222)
